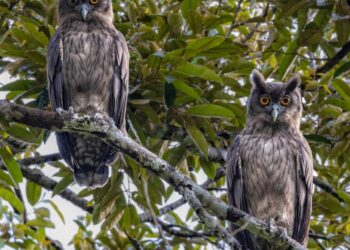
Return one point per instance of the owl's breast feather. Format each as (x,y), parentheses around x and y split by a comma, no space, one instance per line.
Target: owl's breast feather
(88,69)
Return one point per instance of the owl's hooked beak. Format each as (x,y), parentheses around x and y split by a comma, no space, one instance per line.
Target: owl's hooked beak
(275,112)
(84,10)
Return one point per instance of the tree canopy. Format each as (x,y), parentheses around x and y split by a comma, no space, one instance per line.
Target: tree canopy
(189,81)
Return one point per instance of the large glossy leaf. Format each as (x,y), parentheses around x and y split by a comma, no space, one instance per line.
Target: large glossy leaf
(186,89)
(33,192)
(11,164)
(210,111)
(11,198)
(198,139)
(202,44)
(195,70)
(63,183)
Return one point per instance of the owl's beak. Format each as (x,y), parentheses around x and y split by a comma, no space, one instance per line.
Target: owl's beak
(84,10)
(275,112)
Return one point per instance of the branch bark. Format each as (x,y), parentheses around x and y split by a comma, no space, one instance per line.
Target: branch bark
(150,161)
(335,59)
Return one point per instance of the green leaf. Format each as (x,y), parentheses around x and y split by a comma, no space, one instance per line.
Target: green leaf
(57,210)
(19,85)
(40,222)
(189,5)
(342,88)
(25,133)
(342,69)
(209,169)
(130,217)
(63,184)
(195,70)
(210,111)
(11,198)
(33,192)
(202,44)
(317,138)
(112,219)
(42,212)
(198,139)
(11,164)
(7,178)
(186,89)
(343,30)
(287,60)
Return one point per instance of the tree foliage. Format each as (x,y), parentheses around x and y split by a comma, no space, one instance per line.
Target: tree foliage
(189,68)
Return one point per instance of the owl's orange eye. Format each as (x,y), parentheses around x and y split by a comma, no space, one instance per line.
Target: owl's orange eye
(93,2)
(285,101)
(264,100)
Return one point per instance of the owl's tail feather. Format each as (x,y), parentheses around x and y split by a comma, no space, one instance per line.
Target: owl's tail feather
(91,177)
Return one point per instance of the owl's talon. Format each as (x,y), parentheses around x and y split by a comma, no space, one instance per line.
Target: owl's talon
(60,111)
(272,223)
(98,117)
(71,110)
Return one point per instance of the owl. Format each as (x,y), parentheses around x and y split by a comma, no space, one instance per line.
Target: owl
(88,71)
(269,165)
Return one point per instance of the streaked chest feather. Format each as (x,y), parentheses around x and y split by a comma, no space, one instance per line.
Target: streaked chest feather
(88,69)
(87,58)
(269,172)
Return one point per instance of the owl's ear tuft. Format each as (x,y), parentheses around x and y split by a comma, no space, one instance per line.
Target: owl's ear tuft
(293,83)
(257,80)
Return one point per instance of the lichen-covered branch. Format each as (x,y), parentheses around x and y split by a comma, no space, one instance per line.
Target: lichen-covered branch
(214,226)
(150,161)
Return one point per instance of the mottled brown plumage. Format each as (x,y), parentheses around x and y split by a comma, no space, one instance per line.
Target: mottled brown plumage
(269,166)
(88,70)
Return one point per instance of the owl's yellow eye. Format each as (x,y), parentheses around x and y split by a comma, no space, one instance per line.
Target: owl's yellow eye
(93,2)
(264,100)
(285,101)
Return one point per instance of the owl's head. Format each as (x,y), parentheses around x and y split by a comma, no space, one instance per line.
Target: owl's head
(275,103)
(85,10)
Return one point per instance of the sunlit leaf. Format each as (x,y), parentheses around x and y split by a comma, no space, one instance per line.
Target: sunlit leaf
(11,198)
(11,164)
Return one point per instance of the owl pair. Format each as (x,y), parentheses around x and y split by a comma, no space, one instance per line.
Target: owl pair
(269,166)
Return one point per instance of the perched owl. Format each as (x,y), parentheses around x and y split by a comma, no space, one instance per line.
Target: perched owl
(269,166)
(88,70)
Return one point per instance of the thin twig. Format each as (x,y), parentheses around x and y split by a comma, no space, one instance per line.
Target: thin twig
(235,14)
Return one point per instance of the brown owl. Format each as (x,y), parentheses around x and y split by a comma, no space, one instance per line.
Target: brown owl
(269,166)
(88,71)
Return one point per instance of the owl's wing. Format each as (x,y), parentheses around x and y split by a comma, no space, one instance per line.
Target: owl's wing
(120,82)
(235,188)
(303,193)
(58,96)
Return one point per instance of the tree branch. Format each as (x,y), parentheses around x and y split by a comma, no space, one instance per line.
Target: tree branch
(36,176)
(335,59)
(150,161)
